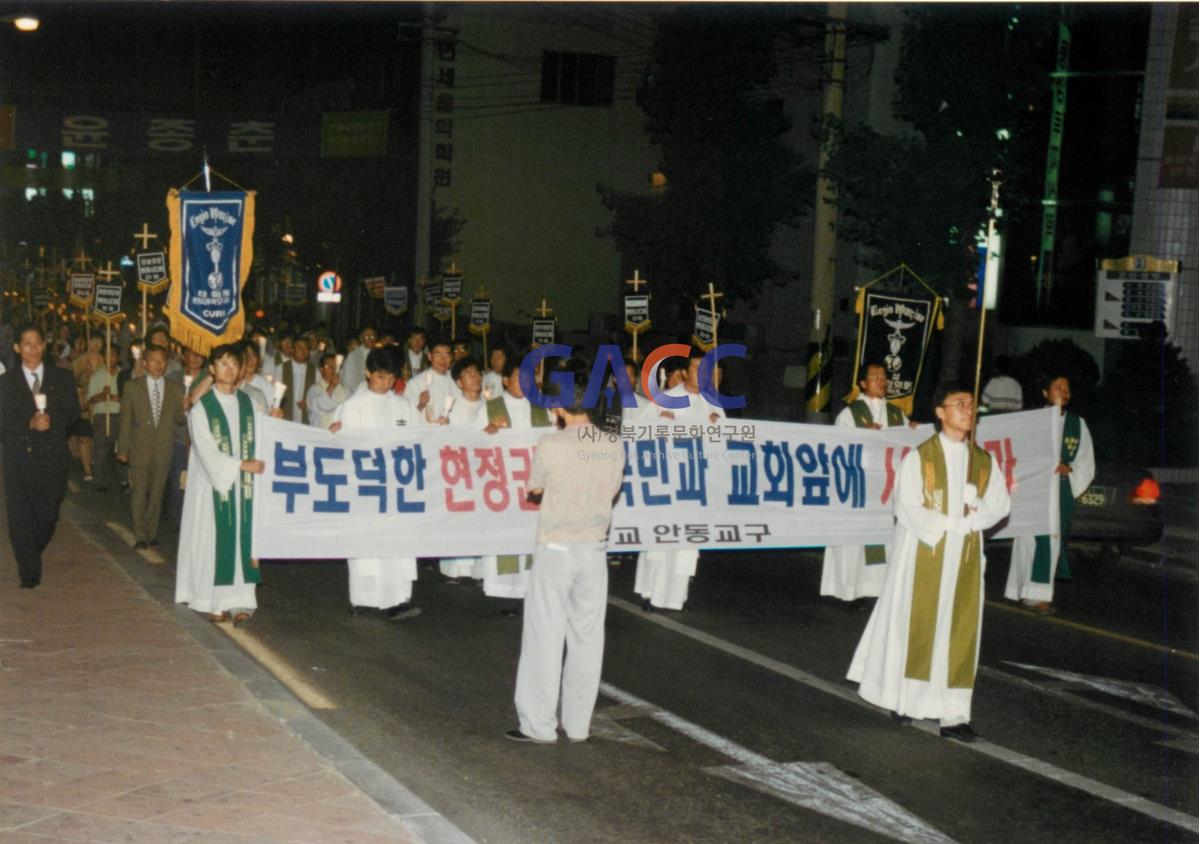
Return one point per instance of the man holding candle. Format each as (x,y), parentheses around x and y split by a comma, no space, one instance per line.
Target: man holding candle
(428,391)
(37,405)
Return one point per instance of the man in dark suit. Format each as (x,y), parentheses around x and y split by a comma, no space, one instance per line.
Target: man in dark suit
(151,410)
(38,405)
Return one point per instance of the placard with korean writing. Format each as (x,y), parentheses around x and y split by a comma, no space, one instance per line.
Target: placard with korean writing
(704,333)
(439,492)
(452,286)
(107,304)
(637,312)
(481,316)
(41,300)
(395,300)
(82,285)
(152,271)
(543,332)
(432,291)
(375,286)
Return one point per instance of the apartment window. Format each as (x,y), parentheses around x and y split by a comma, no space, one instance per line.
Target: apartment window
(584,79)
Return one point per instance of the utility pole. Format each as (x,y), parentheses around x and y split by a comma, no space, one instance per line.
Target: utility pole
(824,269)
(424,147)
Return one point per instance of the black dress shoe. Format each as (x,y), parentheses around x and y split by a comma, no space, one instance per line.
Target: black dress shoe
(153,543)
(137,546)
(646,605)
(900,720)
(517,735)
(960,732)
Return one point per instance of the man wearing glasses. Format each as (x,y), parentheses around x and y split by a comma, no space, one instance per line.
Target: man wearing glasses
(919,652)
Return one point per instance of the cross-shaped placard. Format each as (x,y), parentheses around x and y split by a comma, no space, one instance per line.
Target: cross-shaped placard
(82,260)
(545,310)
(712,296)
(636,282)
(108,273)
(145,236)
(481,293)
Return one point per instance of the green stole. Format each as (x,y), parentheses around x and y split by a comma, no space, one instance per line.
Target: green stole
(927,579)
(1066,509)
(230,531)
(539,417)
(861,413)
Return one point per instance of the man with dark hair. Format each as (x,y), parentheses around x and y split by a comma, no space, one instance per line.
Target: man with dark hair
(383,584)
(920,650)
(429,391)
(576,477)
(151,409)
(215,573)
(325,396)
(415,357)
(354,368)
(852,572)
(38,404)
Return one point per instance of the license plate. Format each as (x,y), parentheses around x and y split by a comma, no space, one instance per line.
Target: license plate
(1096,496)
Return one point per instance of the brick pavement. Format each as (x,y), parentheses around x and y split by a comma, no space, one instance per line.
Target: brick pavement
(117,725)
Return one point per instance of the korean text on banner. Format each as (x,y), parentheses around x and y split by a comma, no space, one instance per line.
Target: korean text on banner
(212,236)
(441,492)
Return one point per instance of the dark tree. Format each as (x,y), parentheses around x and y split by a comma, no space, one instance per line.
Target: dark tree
(971,87)
(731,178)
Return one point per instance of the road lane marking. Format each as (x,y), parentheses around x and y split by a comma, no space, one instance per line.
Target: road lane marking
(1095,631)
(278,666)
(816,786)
(1027,763)
(1142,693)
(1059,692)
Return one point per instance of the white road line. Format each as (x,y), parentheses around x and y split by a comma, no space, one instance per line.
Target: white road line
(279,667)
(816,786)
(1027,763)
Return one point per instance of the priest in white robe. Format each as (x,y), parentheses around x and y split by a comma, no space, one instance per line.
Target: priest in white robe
(215,573)
(507,576)
(1038,560)
(354,365)
(663,577)
(920,650)
(428,391)
(464,412)
(855,572)
(381,583)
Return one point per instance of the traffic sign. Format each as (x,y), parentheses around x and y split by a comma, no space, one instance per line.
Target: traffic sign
(1133,294)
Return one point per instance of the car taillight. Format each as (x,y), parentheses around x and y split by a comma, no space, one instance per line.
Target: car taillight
(1146,492)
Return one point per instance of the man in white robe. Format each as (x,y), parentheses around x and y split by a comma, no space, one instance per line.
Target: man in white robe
(379,583)
(327,395)
(663,577)
(920,650)
(354,365)
(428,391)
(508,576)
(853,572)
(466,413)
(221,461)
(1038,560)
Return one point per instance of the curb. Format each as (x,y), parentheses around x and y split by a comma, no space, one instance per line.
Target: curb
(422,820)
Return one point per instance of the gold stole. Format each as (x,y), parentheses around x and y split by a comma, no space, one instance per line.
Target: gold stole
(927,579)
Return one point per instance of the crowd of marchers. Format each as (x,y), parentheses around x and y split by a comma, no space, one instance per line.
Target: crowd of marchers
(174,432)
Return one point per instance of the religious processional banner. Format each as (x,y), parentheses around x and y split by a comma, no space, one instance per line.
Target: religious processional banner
(895,331)
(443,492)
(212,237)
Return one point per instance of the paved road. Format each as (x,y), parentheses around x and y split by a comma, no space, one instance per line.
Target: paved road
(700,704)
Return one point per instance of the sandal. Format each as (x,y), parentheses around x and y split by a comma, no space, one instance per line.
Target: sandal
(217,617)
(241,619)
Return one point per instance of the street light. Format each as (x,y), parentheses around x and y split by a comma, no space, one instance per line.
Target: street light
(26,23)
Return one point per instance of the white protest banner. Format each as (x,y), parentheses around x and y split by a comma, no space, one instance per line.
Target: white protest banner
(439,492)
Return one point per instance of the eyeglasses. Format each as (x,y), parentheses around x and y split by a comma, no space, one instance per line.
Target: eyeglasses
(964,404)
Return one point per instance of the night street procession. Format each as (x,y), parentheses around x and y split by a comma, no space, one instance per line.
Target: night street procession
(611,422)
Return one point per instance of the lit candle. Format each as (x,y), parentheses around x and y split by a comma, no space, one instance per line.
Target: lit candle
(270,378)
(137,352)
(428,379)
(187,382)
(39,401)
(262,345)
(340,359)
(487,394)
(448,403)
(280,389)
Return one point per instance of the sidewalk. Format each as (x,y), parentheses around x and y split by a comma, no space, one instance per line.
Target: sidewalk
(117,724)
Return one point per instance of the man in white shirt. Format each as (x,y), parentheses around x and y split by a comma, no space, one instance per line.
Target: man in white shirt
(383,584)
(354,367)
(493,379)
(104,398)
(429,391)
(663,577)
(415,358)
(325,396)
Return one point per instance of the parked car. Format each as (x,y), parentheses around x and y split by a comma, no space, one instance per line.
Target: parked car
(1121,508)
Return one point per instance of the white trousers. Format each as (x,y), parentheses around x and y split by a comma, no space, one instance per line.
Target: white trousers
(1020,585)
(564,606)
(461,567)
(381,583)
(664,577)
